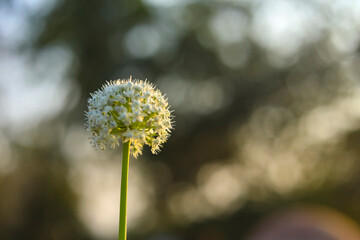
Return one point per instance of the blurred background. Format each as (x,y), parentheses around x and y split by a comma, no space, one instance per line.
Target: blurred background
(267,108)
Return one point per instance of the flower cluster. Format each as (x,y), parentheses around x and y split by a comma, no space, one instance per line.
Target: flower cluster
(128,110)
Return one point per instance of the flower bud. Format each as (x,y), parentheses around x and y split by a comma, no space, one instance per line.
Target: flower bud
(127,110)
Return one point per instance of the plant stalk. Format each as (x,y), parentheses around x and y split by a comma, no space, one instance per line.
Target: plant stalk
(123,191)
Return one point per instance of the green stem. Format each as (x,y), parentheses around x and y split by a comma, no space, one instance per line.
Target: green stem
(124,186)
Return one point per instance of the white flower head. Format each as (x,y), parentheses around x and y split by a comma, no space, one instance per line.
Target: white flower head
(128,110)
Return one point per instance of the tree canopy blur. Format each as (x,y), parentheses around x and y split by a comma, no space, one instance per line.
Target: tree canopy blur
(267,107)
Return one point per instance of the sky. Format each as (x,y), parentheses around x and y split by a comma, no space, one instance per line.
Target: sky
(29,82)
